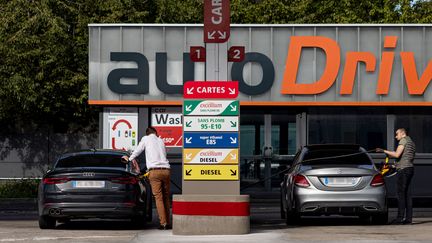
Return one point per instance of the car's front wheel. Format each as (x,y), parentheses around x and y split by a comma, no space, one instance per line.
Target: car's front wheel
(47,222)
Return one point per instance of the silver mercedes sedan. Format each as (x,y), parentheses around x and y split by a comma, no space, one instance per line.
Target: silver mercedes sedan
(333,179)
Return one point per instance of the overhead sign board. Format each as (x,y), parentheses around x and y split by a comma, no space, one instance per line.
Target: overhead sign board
(211,140)
(211,107)
(216,21)
(210,90)
(211,124)
(211,172)
(210,156)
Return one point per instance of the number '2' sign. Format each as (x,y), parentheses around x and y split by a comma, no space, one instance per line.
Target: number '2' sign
(236,54)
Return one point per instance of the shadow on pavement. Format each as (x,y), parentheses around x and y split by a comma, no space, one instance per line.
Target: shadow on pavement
(102,225)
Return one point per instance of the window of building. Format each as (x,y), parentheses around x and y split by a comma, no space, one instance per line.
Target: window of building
(419,128)
(365,129)
(247,140)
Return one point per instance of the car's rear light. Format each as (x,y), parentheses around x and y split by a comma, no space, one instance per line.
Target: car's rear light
(124,180)
(129,203)
(377,180)
(301,181)
(55,180)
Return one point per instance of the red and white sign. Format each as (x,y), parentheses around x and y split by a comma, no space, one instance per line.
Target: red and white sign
(210,90)
(216,21)
(123,131)
(168,125)
(172,136)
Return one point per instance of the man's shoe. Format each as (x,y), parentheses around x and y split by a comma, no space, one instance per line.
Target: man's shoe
(168,226)
(396,222)
(163,227)
(407,222)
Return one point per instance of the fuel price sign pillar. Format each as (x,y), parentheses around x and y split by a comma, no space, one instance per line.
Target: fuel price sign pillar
(210,203)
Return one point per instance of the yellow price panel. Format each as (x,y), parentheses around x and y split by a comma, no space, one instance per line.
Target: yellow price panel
(211,172)
(210,156)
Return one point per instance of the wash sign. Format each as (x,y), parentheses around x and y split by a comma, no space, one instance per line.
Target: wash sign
(213,156)
(211,107)
(168,124)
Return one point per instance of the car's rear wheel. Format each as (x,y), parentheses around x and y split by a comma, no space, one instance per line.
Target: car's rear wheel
(282,209)
(381,218)
(138,221)
(47,222)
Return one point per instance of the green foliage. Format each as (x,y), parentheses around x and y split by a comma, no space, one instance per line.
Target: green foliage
(44,43)
(19,188)
(174,11)
(44,58)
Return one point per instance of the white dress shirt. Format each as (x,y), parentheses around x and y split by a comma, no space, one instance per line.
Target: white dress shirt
(155,152)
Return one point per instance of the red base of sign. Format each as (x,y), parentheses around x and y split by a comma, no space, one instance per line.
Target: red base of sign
(211,208)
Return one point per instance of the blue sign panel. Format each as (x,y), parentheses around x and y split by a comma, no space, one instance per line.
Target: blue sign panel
(211,140)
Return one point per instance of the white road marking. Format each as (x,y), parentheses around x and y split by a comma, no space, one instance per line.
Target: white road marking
(63,238)
(12,240)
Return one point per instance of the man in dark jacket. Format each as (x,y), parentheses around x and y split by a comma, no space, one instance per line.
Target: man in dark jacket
(404,155)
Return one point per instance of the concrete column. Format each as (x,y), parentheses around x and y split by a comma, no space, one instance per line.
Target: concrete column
(211,214)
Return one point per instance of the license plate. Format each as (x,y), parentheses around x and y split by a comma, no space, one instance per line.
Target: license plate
(340,181)
(88,184)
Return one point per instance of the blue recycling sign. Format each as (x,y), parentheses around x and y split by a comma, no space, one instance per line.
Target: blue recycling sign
(211,140)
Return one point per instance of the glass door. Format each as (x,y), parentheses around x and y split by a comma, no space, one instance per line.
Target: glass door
(267,146)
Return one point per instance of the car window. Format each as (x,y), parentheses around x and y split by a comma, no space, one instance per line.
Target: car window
(336,157)
(91,160)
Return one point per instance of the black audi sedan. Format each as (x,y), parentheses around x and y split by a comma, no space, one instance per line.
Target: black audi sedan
(93,184)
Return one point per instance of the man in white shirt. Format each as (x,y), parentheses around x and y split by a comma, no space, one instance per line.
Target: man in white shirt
(159,172)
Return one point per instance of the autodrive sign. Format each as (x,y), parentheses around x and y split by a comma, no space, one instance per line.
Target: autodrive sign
(339,63)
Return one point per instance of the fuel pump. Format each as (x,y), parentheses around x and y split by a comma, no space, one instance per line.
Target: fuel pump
(267,154)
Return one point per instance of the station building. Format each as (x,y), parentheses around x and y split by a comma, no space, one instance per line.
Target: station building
(299,85)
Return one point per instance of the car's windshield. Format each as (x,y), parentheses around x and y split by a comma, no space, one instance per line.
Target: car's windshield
(91,160)
(337,157)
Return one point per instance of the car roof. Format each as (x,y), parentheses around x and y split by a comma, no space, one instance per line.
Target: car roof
(333,146)
(95,151)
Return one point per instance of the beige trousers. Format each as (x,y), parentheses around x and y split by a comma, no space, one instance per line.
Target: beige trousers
(160,184)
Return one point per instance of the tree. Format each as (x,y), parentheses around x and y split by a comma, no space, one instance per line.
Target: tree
(44,59)
(44,43)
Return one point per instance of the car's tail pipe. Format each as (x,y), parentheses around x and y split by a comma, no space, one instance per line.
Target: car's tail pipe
(54,212)
(370,208)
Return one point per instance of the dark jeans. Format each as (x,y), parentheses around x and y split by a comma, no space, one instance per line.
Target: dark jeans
(404,197)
